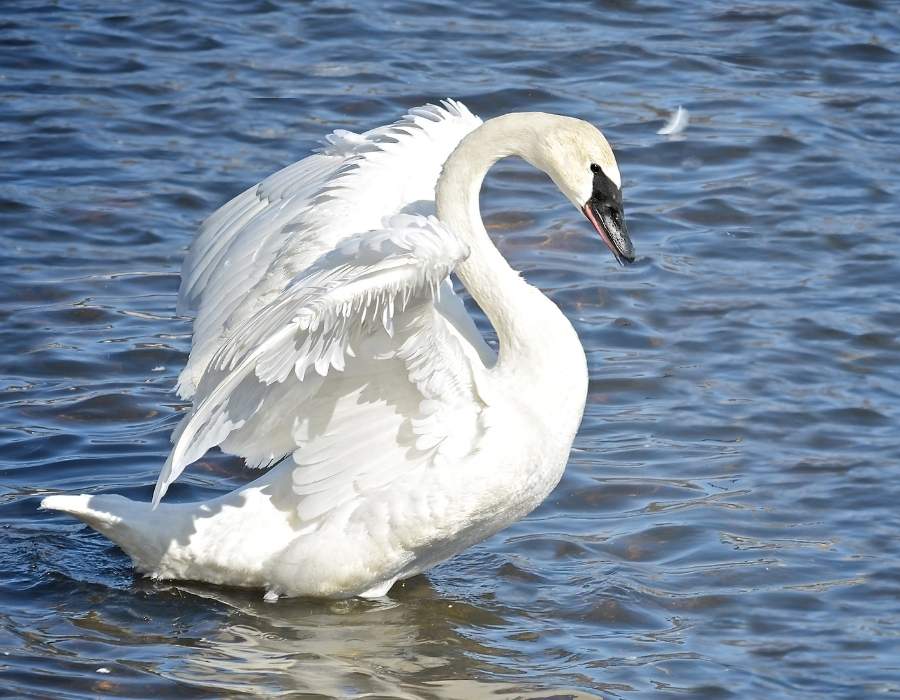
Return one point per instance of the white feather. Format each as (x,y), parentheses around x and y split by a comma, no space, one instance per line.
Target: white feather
(677,123)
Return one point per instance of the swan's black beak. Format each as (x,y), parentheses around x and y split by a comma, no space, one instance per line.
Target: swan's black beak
(604,211)
(610,224)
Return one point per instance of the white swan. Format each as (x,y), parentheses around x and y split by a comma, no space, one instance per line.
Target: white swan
(328,341)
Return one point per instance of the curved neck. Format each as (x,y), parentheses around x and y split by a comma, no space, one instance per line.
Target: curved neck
(523,317)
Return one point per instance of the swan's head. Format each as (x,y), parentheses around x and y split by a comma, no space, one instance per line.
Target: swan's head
(580,161)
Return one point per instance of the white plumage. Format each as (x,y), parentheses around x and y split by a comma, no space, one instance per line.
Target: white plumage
(329,342)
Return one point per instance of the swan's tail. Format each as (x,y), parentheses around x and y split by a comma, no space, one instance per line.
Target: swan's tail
(130,524)
(100,512)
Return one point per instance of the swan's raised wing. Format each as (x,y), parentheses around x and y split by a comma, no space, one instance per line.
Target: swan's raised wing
(353,368)
(248,251)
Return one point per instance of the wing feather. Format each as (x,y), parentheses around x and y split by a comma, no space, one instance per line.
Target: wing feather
(369,303)
(327,331)
(283,225)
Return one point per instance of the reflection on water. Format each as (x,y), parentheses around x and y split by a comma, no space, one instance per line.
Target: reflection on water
(296,645)
(727,526)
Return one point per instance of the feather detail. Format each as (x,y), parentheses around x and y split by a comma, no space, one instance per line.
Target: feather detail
(676,124)
(324,320)
(251,249)
(379,285)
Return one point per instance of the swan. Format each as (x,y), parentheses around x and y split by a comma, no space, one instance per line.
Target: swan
(329,345)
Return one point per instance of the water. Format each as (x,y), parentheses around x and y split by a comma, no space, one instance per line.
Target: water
(728,524)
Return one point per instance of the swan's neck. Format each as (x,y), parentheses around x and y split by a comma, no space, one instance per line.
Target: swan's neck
(529,326)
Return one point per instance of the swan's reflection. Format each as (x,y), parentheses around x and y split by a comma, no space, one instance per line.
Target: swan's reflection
(396,646)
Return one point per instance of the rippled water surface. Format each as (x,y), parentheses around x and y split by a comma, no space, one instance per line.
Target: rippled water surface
(728,525)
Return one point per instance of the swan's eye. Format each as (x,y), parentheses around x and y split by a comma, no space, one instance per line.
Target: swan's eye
(595,168)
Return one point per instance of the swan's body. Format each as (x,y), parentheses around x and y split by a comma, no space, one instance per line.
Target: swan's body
(328,341)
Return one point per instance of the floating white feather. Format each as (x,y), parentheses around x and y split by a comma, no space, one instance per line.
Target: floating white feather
(677,123)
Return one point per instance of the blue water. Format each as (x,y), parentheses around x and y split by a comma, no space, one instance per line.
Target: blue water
(728,525)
